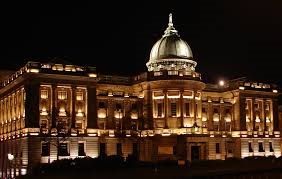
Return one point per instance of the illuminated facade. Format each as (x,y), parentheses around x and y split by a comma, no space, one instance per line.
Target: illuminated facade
(52,111)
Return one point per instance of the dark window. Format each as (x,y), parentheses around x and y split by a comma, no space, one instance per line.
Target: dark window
(187,109)
(134,149)
(63,149)
(217,148)
(261,147)
(215,110)
(102,105)
(174,150)
(227,111)
(160,111)
(270,147)
(119,149)
(134,106)
(173,109)
(81,151)
(250,147)
(102,149)
(118,107)
(45,149)
(203,110)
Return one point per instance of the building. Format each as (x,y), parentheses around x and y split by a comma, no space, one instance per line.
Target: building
(51,111)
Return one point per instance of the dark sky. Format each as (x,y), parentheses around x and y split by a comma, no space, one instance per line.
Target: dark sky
(229,39)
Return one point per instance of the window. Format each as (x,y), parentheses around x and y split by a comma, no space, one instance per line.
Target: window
(119,149)
(227,111)
(173,109)
(270,147)
(216,127)
(134,149)
(118,107)
(217,148)
(44,94)
(79,96)
(45,149)
(187,109)
(101,105)
(81,151)
(228,126)
(160,111)
(174,150)
(62,95)
(134,106)
(102,151)
(63,149)
(215,110)
(203,110)
(250,147)
(261,149)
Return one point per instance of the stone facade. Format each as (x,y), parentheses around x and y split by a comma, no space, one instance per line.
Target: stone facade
(51,111)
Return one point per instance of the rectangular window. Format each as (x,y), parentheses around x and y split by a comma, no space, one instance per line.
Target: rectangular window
(63,149)
(261,149)
(78,125)
(79,96)
(187,109)
(160,109)
(270,147)
(62,95)
(44,94)
(173,109)
(119,149)
(101,105)
(118,107)
(215,110)
(102,151)
(217,148)
(45,149)
(134,149)
(250,147)
(81,151)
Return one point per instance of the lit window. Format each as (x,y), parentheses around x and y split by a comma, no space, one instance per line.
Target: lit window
(62,95)
(79,96)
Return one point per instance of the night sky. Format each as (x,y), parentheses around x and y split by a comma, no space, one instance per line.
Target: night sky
(229,39)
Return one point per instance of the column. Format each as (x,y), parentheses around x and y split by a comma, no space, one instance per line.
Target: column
(194,107)
(275,115)
(73,99)
(253,114)
(53,106)
(91,107)
(32,105)
(166,108)
(181,109)
(242,118)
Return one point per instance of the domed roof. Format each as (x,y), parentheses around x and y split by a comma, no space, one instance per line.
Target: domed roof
(171,46)
(171,50)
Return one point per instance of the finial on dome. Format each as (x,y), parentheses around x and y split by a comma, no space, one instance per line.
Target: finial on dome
(170,20)
(170,30)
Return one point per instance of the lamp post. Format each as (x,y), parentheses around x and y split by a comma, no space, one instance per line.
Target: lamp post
(10,158)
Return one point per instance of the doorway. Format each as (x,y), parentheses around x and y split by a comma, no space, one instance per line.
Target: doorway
(195,153)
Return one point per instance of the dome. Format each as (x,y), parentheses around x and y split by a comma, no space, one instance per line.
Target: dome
(171,51)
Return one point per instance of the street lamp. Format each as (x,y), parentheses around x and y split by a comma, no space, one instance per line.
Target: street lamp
(10,158)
